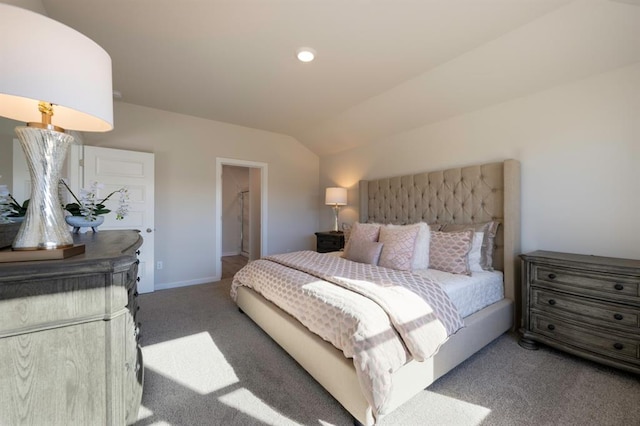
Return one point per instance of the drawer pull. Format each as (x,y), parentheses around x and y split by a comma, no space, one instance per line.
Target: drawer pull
(135,294)
(138,252)
(137,262)
(551,327)
(619,317)
(618,346)
(552,276)
(618,286)
(552,302)
(138,279)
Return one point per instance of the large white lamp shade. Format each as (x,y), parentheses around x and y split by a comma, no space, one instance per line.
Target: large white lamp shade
(44,60)
(53,78)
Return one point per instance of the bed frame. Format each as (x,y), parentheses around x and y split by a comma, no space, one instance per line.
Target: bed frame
(472,194)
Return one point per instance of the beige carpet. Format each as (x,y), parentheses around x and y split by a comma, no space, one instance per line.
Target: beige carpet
(208,364)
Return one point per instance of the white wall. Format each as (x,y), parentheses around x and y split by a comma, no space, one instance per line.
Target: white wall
(6,160)
(185,151)
(7,135)
(579,145)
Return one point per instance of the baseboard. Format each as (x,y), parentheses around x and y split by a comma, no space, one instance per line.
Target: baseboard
(206,280)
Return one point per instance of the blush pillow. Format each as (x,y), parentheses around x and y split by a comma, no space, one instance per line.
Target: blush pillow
(362,232)
(449,251)
(421,249)
(399,245)
(365,252)
(489,230)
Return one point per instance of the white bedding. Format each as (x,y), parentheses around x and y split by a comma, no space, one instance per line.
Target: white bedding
(469,293)
(334,298)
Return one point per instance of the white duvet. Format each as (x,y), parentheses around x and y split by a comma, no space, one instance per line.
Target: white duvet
(380,317)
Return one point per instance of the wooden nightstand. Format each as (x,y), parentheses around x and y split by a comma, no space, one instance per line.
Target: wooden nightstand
(329,241)
(586,305)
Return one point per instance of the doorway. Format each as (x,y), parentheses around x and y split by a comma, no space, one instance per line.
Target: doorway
(241,201)
(236,218)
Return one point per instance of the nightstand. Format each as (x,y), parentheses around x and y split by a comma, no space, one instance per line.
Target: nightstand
(329,241)
(586,305)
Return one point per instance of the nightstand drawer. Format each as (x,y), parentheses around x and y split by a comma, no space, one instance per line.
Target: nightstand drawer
(330,244)
(583,309)
(616,287)
(615,346)
(329,241)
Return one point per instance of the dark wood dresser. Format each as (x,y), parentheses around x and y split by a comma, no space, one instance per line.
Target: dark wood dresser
(586,305)
(329,241)
(69,352)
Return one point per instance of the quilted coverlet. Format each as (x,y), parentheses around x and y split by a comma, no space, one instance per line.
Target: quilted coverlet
(379,317)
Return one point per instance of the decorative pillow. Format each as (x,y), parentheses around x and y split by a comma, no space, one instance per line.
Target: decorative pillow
(475,252)
(399,245)
(346,230)
(488,243)
(362,232)
(365,252)
(449,251)
(435,226)
(421,250)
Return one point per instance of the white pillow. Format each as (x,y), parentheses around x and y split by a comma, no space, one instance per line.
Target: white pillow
(476,252)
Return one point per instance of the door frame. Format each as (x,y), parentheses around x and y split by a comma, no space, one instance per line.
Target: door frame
(218,208)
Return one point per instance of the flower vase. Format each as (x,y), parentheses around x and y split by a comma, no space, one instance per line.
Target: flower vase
(82,222)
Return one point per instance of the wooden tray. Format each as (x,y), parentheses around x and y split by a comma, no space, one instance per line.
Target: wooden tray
(8,255)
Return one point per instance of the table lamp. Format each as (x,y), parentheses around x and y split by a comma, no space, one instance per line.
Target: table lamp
(52,78)
(336,197)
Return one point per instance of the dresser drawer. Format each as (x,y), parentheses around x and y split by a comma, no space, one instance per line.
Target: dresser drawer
(610,286)
(587,310)
(618,346)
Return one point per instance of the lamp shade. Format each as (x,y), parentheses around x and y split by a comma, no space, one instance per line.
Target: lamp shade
(336,196)
(44,60)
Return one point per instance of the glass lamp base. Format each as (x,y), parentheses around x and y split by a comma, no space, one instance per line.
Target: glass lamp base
(44,227)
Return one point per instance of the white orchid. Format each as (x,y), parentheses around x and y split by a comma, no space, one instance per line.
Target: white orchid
(87,204)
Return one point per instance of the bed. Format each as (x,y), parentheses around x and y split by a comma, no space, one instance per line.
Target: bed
(467,195)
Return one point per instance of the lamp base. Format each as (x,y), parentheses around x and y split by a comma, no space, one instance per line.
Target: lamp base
(336,211)
(44,227)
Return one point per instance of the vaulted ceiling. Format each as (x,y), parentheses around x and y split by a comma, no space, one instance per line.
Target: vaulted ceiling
(382,66)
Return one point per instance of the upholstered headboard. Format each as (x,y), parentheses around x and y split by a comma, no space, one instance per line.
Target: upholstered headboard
(472,194)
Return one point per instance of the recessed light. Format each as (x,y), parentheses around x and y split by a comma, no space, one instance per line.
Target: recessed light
(305,54)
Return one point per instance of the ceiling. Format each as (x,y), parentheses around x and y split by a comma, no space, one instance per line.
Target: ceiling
(382,66)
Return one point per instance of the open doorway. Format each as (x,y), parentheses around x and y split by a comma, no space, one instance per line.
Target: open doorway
(241,201)
(236,218)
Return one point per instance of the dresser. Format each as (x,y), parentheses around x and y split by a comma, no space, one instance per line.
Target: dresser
(69,339)
(586,305)
(329,241)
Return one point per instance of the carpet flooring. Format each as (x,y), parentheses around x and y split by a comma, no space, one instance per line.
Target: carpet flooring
(208,364)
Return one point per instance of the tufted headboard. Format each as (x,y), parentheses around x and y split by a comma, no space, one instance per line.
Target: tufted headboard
(472,194)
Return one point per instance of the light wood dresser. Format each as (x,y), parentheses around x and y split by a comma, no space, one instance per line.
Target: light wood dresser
(586,305)
(69,352)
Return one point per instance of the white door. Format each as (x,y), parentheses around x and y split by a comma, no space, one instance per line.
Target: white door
(115,168)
